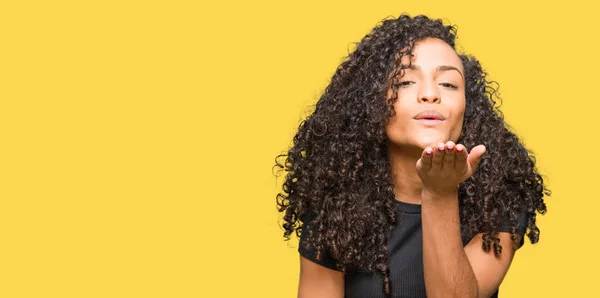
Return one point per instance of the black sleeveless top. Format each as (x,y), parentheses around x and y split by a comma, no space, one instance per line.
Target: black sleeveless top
(406,259)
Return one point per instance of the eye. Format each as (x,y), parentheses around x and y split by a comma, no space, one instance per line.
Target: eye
(448,85)
(404,84)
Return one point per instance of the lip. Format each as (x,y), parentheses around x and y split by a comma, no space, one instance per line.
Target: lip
(430,122)
(430,115)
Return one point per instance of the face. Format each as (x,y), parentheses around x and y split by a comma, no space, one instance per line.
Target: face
(431,97)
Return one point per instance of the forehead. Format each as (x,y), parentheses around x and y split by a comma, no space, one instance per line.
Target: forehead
(433,52)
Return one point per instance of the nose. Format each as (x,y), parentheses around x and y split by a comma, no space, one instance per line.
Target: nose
(428,93)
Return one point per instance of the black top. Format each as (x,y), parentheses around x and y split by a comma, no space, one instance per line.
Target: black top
(406,259)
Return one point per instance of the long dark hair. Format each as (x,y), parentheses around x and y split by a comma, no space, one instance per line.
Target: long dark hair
(338,171)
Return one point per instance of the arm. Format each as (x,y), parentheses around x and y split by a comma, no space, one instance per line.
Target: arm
(317,281)
(451,270)
(446,266)
(489,269)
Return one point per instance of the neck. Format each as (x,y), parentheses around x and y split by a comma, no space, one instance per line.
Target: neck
(407,183)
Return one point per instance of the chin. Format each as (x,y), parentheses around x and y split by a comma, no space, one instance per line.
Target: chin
(430,141)
(413,145)
(421,141)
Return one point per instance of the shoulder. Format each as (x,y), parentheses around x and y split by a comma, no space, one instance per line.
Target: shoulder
(505,226)
(307,248)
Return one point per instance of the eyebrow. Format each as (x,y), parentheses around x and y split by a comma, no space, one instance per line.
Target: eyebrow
(439,68)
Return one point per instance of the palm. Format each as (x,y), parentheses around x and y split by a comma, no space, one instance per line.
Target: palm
(444,167)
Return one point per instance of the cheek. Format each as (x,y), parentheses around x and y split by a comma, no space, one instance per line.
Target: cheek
(399,123)
(401,113)
(456,131)
(403,103)
(458,118)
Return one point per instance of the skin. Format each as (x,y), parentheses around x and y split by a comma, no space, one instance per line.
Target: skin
(427,168)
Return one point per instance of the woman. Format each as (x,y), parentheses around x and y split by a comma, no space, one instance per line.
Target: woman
(405,181)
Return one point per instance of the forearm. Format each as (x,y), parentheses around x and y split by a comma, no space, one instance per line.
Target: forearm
(446,267)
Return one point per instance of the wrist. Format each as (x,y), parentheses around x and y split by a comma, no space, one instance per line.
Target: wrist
(428,193)
(442,204)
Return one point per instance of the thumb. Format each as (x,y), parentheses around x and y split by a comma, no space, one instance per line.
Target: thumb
(475,156)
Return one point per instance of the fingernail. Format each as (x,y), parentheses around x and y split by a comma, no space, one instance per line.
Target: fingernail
(441,148)
(428,151)
(459,149)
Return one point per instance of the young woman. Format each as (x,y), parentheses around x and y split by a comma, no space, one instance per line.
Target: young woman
(405,181)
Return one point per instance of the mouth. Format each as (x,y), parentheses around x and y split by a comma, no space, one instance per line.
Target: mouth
(430,117)
(430,121)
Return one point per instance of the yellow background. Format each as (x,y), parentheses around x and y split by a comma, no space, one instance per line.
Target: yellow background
(137,137)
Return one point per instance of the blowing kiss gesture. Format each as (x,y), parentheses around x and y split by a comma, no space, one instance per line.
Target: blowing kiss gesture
(444,167)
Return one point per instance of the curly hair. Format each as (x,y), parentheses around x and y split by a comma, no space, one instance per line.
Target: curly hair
(338,171)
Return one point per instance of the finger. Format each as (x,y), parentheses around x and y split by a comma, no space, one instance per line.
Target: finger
(450,156)
(475,156)
(438,157)
(424,162)
(461,159)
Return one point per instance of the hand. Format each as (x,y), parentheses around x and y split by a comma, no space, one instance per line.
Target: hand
(444,167)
